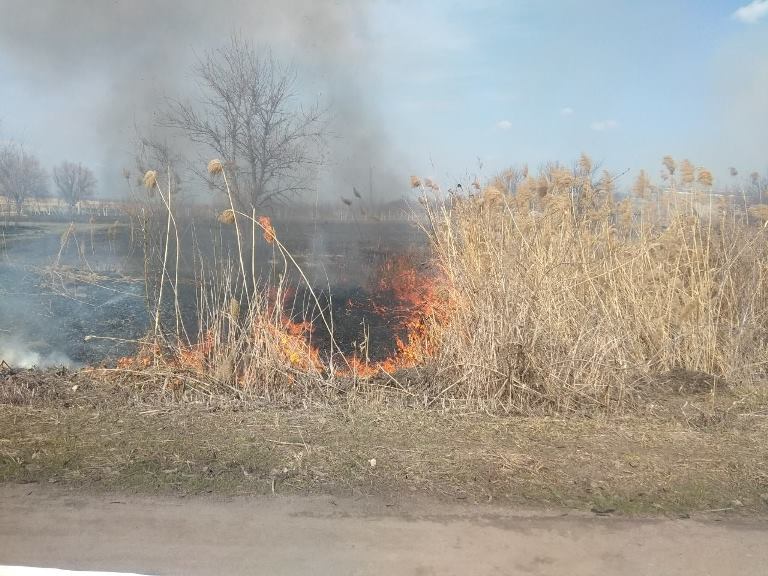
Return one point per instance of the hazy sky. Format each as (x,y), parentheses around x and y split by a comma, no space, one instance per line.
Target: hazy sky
(427,87)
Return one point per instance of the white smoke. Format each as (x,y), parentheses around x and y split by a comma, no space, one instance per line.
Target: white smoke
(112,64)
(19,355)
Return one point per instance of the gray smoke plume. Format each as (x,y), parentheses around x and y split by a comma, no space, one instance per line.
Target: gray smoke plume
(20,355)
(107,67)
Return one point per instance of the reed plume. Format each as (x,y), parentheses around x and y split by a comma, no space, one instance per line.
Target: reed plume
(215,167)
(150,179)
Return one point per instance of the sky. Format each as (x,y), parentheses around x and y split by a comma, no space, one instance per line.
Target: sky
(443,89)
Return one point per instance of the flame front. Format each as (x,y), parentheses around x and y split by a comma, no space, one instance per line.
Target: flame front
(412,300)
(403,294)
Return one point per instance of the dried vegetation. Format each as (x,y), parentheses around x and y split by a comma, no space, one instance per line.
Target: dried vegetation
(550,297)
(567,299)
(546,294)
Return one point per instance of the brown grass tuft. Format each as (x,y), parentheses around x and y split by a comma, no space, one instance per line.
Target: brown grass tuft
(215,167)
(704,177)
(150,179)
(227,216)
(234,308)
(687,171)
(566,301)
(269,231)
(669,164)
(642,185)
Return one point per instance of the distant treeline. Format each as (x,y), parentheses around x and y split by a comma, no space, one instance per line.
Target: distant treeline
(41,207)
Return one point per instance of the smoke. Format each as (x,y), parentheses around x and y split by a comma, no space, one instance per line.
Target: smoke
(108,66)
(29,334)
(740,86)
(19,355)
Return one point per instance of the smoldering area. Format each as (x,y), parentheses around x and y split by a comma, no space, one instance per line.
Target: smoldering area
(73,294)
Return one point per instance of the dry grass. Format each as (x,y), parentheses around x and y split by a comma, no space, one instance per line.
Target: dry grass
(556,299)
(253,336)
(100,437)
(245,342)
(568,301)
(645,316)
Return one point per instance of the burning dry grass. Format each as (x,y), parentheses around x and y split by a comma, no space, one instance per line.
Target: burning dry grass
(263,347)
(566,300)
(254,336)
(551,297)
(255,350)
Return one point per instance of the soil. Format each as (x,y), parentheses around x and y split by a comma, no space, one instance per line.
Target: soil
(102,474)
(41,526)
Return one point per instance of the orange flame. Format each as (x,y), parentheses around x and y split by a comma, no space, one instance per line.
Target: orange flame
(195,356)
(413,298)
(292,339)
(408,296)
(191,357)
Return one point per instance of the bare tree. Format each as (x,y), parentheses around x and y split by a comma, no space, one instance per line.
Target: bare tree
(74,182)
(21,176)
(250,117)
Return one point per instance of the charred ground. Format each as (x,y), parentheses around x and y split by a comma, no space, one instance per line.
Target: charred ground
(74,294)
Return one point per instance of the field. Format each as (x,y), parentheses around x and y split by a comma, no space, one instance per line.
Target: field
(541,342)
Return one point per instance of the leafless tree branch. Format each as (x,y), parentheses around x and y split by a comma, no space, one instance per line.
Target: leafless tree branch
(21,176)
(249,116)
(74,182)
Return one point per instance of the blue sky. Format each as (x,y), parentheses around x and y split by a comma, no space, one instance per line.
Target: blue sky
(627,82)
(451,86)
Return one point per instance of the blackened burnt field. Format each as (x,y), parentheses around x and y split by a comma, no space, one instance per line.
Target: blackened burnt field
(74,294)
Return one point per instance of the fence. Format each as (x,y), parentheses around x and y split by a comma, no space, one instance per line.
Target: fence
(35,207)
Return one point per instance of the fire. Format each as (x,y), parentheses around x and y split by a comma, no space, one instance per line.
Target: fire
(192,357)
(412,299)
(293,337)
(407,298)
(295,350)
(143,359)
(195,356)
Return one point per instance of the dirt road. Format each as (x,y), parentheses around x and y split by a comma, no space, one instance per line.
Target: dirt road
(323,535)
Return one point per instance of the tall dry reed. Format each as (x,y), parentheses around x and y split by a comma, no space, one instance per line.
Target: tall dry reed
(248,339)
(566,299)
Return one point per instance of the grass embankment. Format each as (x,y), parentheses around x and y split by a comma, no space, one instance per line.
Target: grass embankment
(584,352)
(684,455)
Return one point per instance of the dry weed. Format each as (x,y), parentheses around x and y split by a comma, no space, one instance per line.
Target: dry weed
(565,301)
